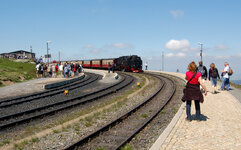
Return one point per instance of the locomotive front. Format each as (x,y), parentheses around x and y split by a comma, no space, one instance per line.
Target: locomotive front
(136,63)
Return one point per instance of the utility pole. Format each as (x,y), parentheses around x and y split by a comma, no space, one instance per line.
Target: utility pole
(201,51)
(162,60)
(48,50)
(59,56)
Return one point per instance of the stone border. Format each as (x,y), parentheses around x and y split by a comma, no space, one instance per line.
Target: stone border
(157,145)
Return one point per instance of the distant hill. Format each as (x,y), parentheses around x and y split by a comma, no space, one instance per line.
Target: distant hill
(12,72)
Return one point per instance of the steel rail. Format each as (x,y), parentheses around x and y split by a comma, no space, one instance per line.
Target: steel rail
(123,117)
(66,106)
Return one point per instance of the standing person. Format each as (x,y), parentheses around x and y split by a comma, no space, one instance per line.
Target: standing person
(80,68)
(75,69)
(113,67)
(41,70)
(49,70)
(213,74)
(146,65)
(69,69)
(66,71)
(61,69)
(203,70)
(54,71)
(45,71)
(225,77)
(109,66)
(193,91)
(37,70)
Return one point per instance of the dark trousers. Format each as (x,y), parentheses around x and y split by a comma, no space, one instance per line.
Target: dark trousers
(188,109)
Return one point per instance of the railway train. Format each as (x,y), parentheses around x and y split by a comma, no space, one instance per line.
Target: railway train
(131,63)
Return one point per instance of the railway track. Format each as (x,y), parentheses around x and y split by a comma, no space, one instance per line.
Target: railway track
(37,95)
(10,117)
(116,133)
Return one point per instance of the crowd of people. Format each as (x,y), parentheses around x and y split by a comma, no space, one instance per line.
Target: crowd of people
(65,70)
(196,76)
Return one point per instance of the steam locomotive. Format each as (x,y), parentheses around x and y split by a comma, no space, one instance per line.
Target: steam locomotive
(131,63)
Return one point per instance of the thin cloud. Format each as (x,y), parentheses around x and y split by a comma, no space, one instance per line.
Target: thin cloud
(221,47)
(169,55)
(88,46)
(181,54)
(120,45)
(94,51)
(177,13)
(175,55)
(222,57)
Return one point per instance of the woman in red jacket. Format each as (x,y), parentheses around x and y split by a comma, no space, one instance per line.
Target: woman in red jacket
(193,91)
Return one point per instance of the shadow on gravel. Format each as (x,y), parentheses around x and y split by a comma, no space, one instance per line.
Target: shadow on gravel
(202,118)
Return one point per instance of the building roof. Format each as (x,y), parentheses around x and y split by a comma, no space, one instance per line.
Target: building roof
(18,51)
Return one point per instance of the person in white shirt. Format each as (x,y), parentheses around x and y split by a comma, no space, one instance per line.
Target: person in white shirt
(225,77)
(37,70)
(61,69)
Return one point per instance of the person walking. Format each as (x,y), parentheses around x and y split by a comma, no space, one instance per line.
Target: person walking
(225,77)
(203,70)
(213,75)
(193,91)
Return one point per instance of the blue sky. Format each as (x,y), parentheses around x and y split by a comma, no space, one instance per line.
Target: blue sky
(85,29)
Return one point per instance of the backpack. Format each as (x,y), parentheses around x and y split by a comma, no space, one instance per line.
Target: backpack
(230,71)
(214,73)
(201,70)
(39,67)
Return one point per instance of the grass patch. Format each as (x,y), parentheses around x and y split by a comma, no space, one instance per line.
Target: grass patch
(16,71)
(21,145)
(144,115)
(88,124)
(31,129)
(162,112)
(235,85)
(4,142)
(34,140)
(127,147)
(174,110)
(56,131)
